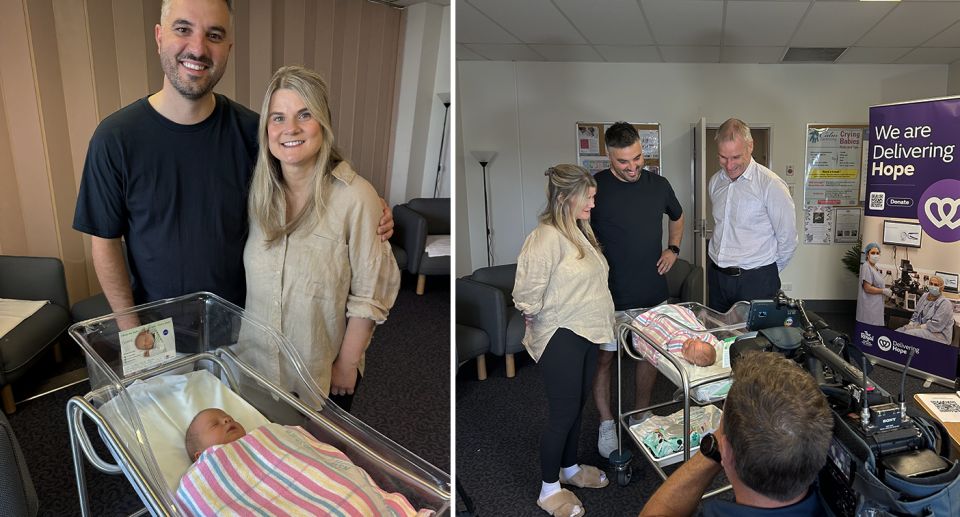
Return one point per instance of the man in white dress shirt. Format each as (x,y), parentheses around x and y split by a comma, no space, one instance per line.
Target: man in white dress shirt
(755,230)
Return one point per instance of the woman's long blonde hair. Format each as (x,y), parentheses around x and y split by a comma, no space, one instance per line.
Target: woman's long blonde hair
(566,182)
(267,197)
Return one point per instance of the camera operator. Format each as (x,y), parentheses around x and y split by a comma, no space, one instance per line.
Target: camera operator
(772,442)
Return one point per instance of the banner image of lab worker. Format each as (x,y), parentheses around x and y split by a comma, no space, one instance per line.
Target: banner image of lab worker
(871,294)
(933,317)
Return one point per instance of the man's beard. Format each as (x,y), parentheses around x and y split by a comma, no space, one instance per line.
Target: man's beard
(192,90)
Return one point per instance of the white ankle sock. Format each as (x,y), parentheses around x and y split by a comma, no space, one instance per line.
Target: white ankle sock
(568,472)
(548,489)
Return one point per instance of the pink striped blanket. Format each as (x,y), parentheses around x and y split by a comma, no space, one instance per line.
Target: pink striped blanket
(283,471)
(666,324)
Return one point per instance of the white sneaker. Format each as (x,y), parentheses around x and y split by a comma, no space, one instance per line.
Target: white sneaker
(608,438)
(643,418)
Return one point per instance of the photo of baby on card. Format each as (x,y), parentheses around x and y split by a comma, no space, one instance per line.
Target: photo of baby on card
(147,345)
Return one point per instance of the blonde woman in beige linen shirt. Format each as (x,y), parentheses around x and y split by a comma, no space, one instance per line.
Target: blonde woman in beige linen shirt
(561,288)
(315,266)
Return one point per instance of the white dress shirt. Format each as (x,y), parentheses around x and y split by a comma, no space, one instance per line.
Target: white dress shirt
(754,219)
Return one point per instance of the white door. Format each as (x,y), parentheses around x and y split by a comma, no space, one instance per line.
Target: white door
(702,220)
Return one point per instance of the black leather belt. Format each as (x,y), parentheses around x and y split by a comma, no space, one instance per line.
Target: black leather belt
(733,271)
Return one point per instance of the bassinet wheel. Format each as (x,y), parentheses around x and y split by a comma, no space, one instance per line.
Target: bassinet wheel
(623,476)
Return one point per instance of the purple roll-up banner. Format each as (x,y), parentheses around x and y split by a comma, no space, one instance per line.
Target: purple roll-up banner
(930,357)
(913,175)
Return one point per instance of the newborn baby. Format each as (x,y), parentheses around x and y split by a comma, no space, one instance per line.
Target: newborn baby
(211,427)
(145,342)
(698,352)
(277,471)
(676,328)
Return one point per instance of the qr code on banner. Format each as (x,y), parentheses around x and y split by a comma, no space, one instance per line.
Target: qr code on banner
(877,199)
(946,406)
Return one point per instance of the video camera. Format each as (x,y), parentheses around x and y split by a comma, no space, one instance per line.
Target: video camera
(875,438)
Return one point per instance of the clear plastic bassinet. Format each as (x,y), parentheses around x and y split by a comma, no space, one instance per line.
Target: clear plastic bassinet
(212,335)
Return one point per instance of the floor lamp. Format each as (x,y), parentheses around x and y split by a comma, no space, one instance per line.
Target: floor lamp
(445,99)
(484,158)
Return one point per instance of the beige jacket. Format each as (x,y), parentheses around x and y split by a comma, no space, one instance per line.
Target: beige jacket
(317,277)
(560,290)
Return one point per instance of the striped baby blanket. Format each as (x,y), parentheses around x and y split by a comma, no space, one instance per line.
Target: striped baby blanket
(283,471)
(665,323)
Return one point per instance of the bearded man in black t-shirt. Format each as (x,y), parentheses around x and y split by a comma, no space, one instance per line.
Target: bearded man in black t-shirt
(628,222)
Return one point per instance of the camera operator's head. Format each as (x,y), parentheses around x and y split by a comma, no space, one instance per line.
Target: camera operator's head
(776,426)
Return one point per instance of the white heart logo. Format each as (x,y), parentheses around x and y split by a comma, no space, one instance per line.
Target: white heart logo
(945,219)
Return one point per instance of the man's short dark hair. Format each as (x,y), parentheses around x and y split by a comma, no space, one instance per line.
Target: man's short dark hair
(778,423)
(621,135)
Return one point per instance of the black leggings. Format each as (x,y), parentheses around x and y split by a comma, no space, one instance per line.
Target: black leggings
(567,366)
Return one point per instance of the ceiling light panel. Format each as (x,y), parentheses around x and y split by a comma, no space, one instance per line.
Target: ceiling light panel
(474,27)
(838,24)
(912,23)
(693,23)
(532,21)
(761,23)
(608,22)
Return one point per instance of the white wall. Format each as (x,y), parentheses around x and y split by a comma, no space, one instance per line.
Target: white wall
(461,236)
(425,72)
(526,112)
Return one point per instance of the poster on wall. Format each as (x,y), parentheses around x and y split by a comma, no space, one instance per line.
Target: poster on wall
(592,151)
(817,224)
(847,225)
(913,191)
(832,165)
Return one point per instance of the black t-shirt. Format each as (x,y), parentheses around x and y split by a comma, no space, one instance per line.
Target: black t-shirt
(628,222)
(178,194)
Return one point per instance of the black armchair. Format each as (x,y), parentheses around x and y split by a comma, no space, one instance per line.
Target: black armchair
(16,488)
(685,282)
(413,222)
(31,278)
(485,301)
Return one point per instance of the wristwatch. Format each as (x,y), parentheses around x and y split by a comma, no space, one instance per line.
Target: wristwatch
(709,447)
(674,249)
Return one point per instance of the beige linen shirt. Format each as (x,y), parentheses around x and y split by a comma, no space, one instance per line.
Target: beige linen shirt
(560,290)
(309,283)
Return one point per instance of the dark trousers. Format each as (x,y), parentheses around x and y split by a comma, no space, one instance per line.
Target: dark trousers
(752,284)
(567,366)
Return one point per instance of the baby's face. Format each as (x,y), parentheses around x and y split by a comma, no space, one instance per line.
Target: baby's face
(144,340)
(214,427)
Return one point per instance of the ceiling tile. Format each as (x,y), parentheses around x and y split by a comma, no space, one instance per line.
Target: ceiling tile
(629,54)
(474,27)
(761,23)
(508,52)
(752,54)
(931,56)
(608,22)
(839,24)
(568,53)
(693,23)
(532,21)
(910,24)
(871,55)
(689,54)
(465,54)
(947,38)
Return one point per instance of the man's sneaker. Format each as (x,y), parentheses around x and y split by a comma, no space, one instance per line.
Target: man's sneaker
(643,418)
(608,438)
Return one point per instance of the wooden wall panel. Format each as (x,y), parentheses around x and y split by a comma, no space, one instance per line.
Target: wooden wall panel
(130,36)
(20,94)
(151,18)
(56,143)
(293,34)
(13,233)
(103,53)
(68,64)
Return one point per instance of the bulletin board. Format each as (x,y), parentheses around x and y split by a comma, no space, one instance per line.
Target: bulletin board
(592,151)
